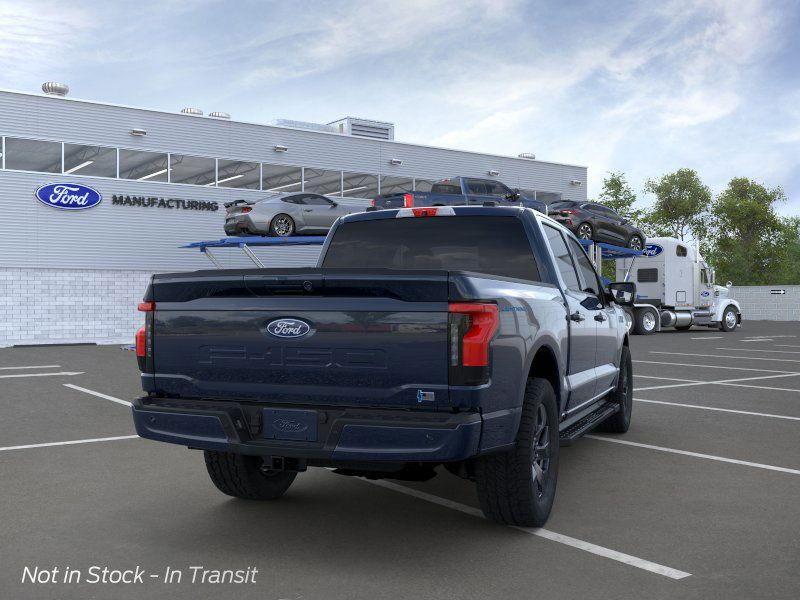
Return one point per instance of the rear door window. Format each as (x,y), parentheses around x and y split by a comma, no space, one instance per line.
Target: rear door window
(563,259)
(496,246)
(588,275)
(446,187)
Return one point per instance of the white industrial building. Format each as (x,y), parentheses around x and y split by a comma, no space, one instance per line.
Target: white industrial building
(72,276)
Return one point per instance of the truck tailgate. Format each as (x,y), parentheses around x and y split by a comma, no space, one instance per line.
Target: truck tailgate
(303,336)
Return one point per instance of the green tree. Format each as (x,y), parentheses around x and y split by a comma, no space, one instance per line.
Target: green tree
(681,206)
(618,196)
(750,242)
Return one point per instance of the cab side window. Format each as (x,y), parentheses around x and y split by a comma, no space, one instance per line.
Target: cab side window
(563,259)
(589,279)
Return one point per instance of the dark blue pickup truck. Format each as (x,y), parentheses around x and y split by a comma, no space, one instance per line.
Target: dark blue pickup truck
(457,191)
(478,338)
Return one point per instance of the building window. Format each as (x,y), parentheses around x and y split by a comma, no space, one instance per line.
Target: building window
(280,178)
(359,185)
(423,185)
(320,181)
(90,160)
(194,170)
(33,155)
(396,185)
(143,166)
(237,174)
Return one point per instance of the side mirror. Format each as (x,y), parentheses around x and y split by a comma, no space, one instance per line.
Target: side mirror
(729,285)
(622,292)
(334,204)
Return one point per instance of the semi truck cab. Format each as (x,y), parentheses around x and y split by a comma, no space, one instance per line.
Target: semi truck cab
(676,288)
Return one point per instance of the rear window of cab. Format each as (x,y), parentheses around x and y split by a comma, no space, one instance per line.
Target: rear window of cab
(495,246)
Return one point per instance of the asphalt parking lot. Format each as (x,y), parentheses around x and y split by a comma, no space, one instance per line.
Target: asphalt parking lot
(698,500)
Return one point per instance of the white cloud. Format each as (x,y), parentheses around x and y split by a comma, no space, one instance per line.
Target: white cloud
(36,36)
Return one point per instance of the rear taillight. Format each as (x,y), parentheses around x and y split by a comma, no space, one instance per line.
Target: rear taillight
(372,202)
(144,338)
(471,327)
(141,343)
(246,209)
(408,200)
(567,212)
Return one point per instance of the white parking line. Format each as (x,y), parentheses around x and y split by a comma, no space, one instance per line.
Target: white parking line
(667,378)
(627,559)
(658,362)
(69,443)
(15,375)
(695,454)
(98,394)
(718,382)
(787,346)
(756,340)
(759,350)
(708,337)
(31,367)
(725,356)
(714,408)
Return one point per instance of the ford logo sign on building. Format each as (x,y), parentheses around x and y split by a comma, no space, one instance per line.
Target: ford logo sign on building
(652,250)
(68,196)
(288,328)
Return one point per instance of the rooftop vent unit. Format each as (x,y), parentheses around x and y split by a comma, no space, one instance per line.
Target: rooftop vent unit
(303,125)
(376,130)
(192,111)
(51,88)
(219,115)
(527,155)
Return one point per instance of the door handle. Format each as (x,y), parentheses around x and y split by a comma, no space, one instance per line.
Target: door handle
(307,210)
(577,316)
(600,318)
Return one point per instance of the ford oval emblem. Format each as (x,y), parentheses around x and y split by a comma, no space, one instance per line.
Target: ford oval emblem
(288,328)
(652,250)
(68,196)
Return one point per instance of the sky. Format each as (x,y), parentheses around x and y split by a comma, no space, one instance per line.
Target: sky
(639,87)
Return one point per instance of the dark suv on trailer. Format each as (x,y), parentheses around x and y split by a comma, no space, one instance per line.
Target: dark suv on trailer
(593,221)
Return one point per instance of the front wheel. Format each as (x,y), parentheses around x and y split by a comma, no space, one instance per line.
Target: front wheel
(282,226)
(644,322)
(243,476)
(518,487)
(729,320)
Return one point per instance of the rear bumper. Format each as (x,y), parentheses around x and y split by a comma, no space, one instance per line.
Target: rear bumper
(340,435)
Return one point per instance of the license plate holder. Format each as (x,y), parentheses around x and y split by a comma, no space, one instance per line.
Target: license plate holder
(291,424)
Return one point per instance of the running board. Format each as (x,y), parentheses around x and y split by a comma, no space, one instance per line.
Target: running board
(577,429)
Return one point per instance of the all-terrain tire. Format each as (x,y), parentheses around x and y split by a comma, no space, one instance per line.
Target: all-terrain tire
(508,490)
(622,395)
(241,476)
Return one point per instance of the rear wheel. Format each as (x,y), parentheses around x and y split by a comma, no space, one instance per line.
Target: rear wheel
(281,225)
(585,231)
(729,320)
(644,322)
(517,487)
(243,476)
(620,421)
